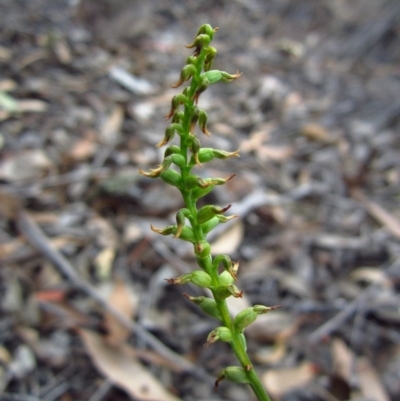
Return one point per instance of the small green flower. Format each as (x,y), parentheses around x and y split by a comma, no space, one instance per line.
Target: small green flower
(234,374)
(220,333)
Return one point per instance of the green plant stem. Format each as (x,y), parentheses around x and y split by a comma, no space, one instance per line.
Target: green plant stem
(236,343)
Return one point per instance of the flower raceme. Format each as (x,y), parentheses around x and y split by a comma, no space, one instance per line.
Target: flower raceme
(193,223)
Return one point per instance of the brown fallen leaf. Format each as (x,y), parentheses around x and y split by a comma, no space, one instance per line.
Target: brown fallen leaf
(281,381)
(123,300)
(273,355)
(275,153)
(369,382)
(83,149)
(277,325)
(230,240)
(104,262)
(256,138)
(111,127)
(119,365)
(32,106)
(316,132)
(343,359)
(380,214)
(371,275)
(25,165)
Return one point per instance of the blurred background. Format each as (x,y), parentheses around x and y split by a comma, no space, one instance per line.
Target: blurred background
(85,311)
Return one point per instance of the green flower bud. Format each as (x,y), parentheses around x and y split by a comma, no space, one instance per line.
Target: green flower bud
(177,118)
(172,177)
(220,333)
(203,85)
(180,221)
(234,374)
(178,160)
(187,72)
(204,262)
(207,154)
(226,291)
(225,278)
(194,119)
(244,319)
(169,134)
(211,53)
(206,185)
(172,150)
(209,211)
(207,305)
(213,76)
(201,279)
(243,341)
(175,103)
(198,277)
(209,225)
(221,154)
(203,121)
(194,181)
(203,184)
(202,249)
(261,309)
(185,235)
(249,315)
(199,42)
(194,148)
(208,30)
(199,192)
(230,77)
(191,60)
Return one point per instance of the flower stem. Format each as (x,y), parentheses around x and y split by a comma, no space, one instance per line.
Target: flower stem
(202,221)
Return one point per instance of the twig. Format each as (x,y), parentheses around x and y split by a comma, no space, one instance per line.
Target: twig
(38,240)
(101,391)
(338,320)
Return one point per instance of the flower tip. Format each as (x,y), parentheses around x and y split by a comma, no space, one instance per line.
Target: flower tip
(206,132)
(226,208)
(178,232)
(177,83)
(160,144)
(187,296)
(141,172)
(155,229)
